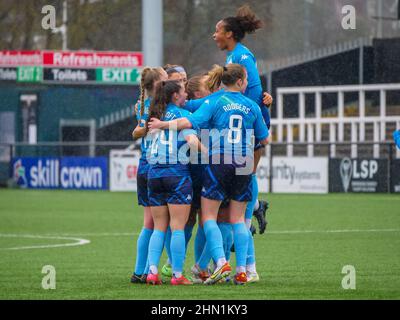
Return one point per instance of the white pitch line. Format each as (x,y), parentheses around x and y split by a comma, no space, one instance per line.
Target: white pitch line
(103,234)
(78,241)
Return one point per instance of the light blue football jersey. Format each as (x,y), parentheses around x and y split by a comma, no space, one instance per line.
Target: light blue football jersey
(234,120)
(194,105)
(243,56)
(169,149)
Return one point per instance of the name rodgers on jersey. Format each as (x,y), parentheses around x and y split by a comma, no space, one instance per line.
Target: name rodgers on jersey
(236,106)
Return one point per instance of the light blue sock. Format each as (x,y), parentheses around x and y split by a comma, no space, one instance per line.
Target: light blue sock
(156,245)
(199,243)
(178,250)
(251,254)
(188,234)
(214,240)
(142,250)
(167,243)
(227,238)
(241,240)
(205,258)
(146,269)
(254,196)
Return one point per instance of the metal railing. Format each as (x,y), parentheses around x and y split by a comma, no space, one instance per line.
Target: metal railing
(61,149)
(336,124)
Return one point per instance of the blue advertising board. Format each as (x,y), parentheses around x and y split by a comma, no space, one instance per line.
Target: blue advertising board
(36,173)
(66,173)
(84,173)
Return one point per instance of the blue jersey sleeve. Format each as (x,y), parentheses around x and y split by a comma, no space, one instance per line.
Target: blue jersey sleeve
(194,105)
(396,137)
(266,116)
(248,62)
(261,131)
(201,118)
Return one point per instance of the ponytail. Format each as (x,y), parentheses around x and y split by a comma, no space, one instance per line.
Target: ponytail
(162,97)
(149,77)
(145,72)
(215,78)
(248,20)
(244,23)
(228,75)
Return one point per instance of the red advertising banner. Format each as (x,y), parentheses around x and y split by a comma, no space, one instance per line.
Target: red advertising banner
(71,59)
(77,59)
(75,67)
(11,58)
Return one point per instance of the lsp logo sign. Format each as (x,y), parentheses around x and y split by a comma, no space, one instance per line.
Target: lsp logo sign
(357,170)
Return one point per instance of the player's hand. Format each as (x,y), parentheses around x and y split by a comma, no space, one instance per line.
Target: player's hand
(139,132)
(267,99)
(155,124)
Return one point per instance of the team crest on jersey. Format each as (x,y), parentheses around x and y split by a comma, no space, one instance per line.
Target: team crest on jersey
(244,57)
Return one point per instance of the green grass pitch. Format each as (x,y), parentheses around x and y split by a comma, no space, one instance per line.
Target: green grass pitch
(310,238)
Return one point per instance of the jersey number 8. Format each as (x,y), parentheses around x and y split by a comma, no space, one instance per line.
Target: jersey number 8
(235,132)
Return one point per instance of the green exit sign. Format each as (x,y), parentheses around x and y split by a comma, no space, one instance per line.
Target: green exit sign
(118,75)
(29,74)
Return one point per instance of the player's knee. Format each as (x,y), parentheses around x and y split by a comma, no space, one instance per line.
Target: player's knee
(223,218)
(177,224)
(149,224)
(236,219)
